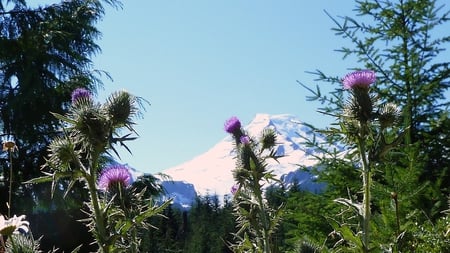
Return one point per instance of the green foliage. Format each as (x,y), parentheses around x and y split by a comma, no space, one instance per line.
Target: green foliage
(306,246)
(210,226)
(428,237)
(257,222)
(306,216)
(117,217)
(206,227)
(45,53)
(169,232)
(398,40)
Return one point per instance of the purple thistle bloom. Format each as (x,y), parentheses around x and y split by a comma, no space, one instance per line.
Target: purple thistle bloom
(115,174)
(234,189)
(245,139)
(80,93)
(232,124)
(361,79)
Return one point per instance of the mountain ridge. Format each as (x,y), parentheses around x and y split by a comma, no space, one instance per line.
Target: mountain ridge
(210,173)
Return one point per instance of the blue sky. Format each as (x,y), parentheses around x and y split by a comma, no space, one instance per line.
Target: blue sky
(200,62)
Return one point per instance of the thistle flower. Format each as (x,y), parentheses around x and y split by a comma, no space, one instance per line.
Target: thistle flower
(359,79)
(80,94)
(13,225)
(361,104)
(232,125)
(234,189)
(114,175)
(245,139)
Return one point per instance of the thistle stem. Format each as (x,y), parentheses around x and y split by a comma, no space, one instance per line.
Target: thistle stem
(366,206)
(10,183)
(266,239)
(99,221)
(133,245)
(367,178)
(397,217)
(2,244)
(89,174)
(257,176)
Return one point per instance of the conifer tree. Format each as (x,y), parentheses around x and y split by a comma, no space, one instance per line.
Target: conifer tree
(45,53)
(403,42)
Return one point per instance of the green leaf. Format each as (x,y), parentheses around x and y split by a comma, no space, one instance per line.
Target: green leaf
(40,180)
(357,207)
(63,118)
(144,215)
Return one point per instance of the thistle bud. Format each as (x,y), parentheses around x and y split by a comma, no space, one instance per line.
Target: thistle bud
(94,127)
(120,106)
(269,138)
(62,153)
(394,195)
(388,115)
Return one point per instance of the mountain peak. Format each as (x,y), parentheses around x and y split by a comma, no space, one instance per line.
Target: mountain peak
(284,124)
(211,172)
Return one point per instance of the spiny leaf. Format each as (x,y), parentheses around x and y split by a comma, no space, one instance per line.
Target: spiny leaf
(63,118)
(40,180)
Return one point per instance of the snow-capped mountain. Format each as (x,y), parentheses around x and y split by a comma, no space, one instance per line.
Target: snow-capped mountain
(211,173)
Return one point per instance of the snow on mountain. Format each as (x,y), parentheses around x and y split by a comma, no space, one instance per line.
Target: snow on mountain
(211,172)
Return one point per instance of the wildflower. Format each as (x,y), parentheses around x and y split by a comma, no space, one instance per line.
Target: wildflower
(79,94)
(234,189)
(114,175)
(360,79)
(245,139)
(361,104)
(13,225)
(232,125)
(9,145)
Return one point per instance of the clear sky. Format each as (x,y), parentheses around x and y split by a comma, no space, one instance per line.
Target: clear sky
(198,62)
